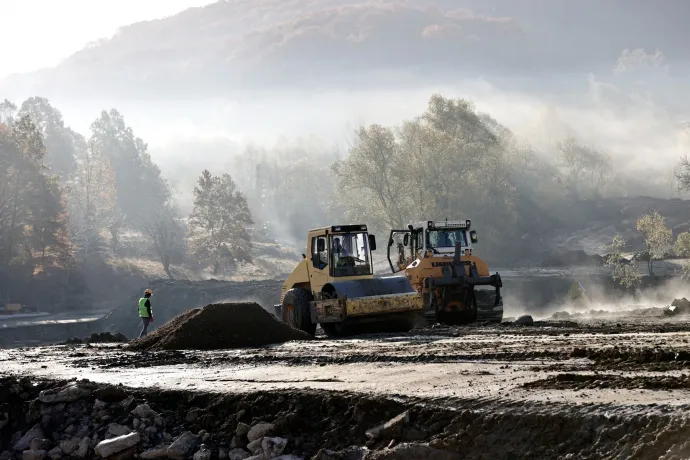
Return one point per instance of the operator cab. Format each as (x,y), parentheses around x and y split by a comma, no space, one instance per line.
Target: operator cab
(342,251)
(439,237)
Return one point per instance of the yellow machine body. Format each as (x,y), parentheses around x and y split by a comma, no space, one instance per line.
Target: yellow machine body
(334,285)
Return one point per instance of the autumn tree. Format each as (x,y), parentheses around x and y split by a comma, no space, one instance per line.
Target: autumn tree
(32,214)
(218,224)
(658,237)
(372,178)
(622,272)
(451,161)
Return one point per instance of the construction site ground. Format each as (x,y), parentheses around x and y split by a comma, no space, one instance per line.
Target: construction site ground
(624,371)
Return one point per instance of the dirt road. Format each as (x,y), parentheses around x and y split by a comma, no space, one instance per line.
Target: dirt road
(592,361)
(633,368)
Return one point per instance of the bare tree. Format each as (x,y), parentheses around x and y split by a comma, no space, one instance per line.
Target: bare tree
(166,231)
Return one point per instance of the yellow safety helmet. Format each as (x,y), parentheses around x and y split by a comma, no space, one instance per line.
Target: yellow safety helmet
(148,291)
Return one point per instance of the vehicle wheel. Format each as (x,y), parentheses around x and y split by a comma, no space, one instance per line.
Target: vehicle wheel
(296,311)
(334,330)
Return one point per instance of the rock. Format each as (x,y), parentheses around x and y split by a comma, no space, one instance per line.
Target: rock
(25,441)
(242,429)
(258,457)
(413,452)
(53,409)
(68,393)
(83,448)
(115,429)
(194,414)
(135,423)
(203,454)
(125,403)
(273,447)
(255,446)
(160,452)
(118,444)
(4,420)
(259,431)
(288,457)
(238,454)
(55,453)
(525,320)
(127,454)
(391,429)
(183,446)
(69,445)
(33,455)
(238,441)
(144,411)
(110,394)
(40,444)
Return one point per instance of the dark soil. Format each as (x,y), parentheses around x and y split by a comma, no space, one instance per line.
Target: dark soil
(97,337)
(569,381)
(218,327)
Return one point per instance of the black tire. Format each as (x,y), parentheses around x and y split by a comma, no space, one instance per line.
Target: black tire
(333,330)
(296,311)
(459,318)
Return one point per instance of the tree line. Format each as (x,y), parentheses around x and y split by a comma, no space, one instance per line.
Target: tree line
(70,202)
(66,200)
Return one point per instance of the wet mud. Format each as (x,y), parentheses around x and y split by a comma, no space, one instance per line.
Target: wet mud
(588,388)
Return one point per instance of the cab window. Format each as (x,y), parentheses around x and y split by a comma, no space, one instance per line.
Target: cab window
(319,259)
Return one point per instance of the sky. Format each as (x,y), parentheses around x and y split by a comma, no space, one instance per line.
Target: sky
(43,32)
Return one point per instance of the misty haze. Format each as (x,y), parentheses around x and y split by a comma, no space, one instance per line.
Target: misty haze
(491,195)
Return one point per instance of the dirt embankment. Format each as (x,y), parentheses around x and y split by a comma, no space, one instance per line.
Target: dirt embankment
(220,326)
(83,419)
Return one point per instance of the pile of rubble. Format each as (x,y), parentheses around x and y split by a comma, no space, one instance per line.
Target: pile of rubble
(84,420)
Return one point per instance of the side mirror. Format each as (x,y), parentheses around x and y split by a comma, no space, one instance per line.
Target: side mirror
(473,236)
(406,239)
(372,242)
(320,245)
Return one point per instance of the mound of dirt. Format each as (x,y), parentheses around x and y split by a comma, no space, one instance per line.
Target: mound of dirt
(174,297)
(220,326)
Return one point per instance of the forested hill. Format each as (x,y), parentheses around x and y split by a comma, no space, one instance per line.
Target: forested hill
(240,44)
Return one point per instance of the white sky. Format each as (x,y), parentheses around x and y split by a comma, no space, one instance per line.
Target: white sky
(40,33)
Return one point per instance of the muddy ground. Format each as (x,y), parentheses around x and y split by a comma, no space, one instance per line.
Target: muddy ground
(604,387)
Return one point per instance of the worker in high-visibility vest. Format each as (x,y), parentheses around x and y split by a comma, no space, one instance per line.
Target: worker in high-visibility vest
(145,311)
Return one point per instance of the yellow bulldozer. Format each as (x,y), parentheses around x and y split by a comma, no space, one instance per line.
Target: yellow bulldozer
(334,286)
(438,261)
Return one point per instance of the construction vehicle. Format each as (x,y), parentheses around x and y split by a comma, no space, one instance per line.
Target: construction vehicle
(335,286)
(437,259)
